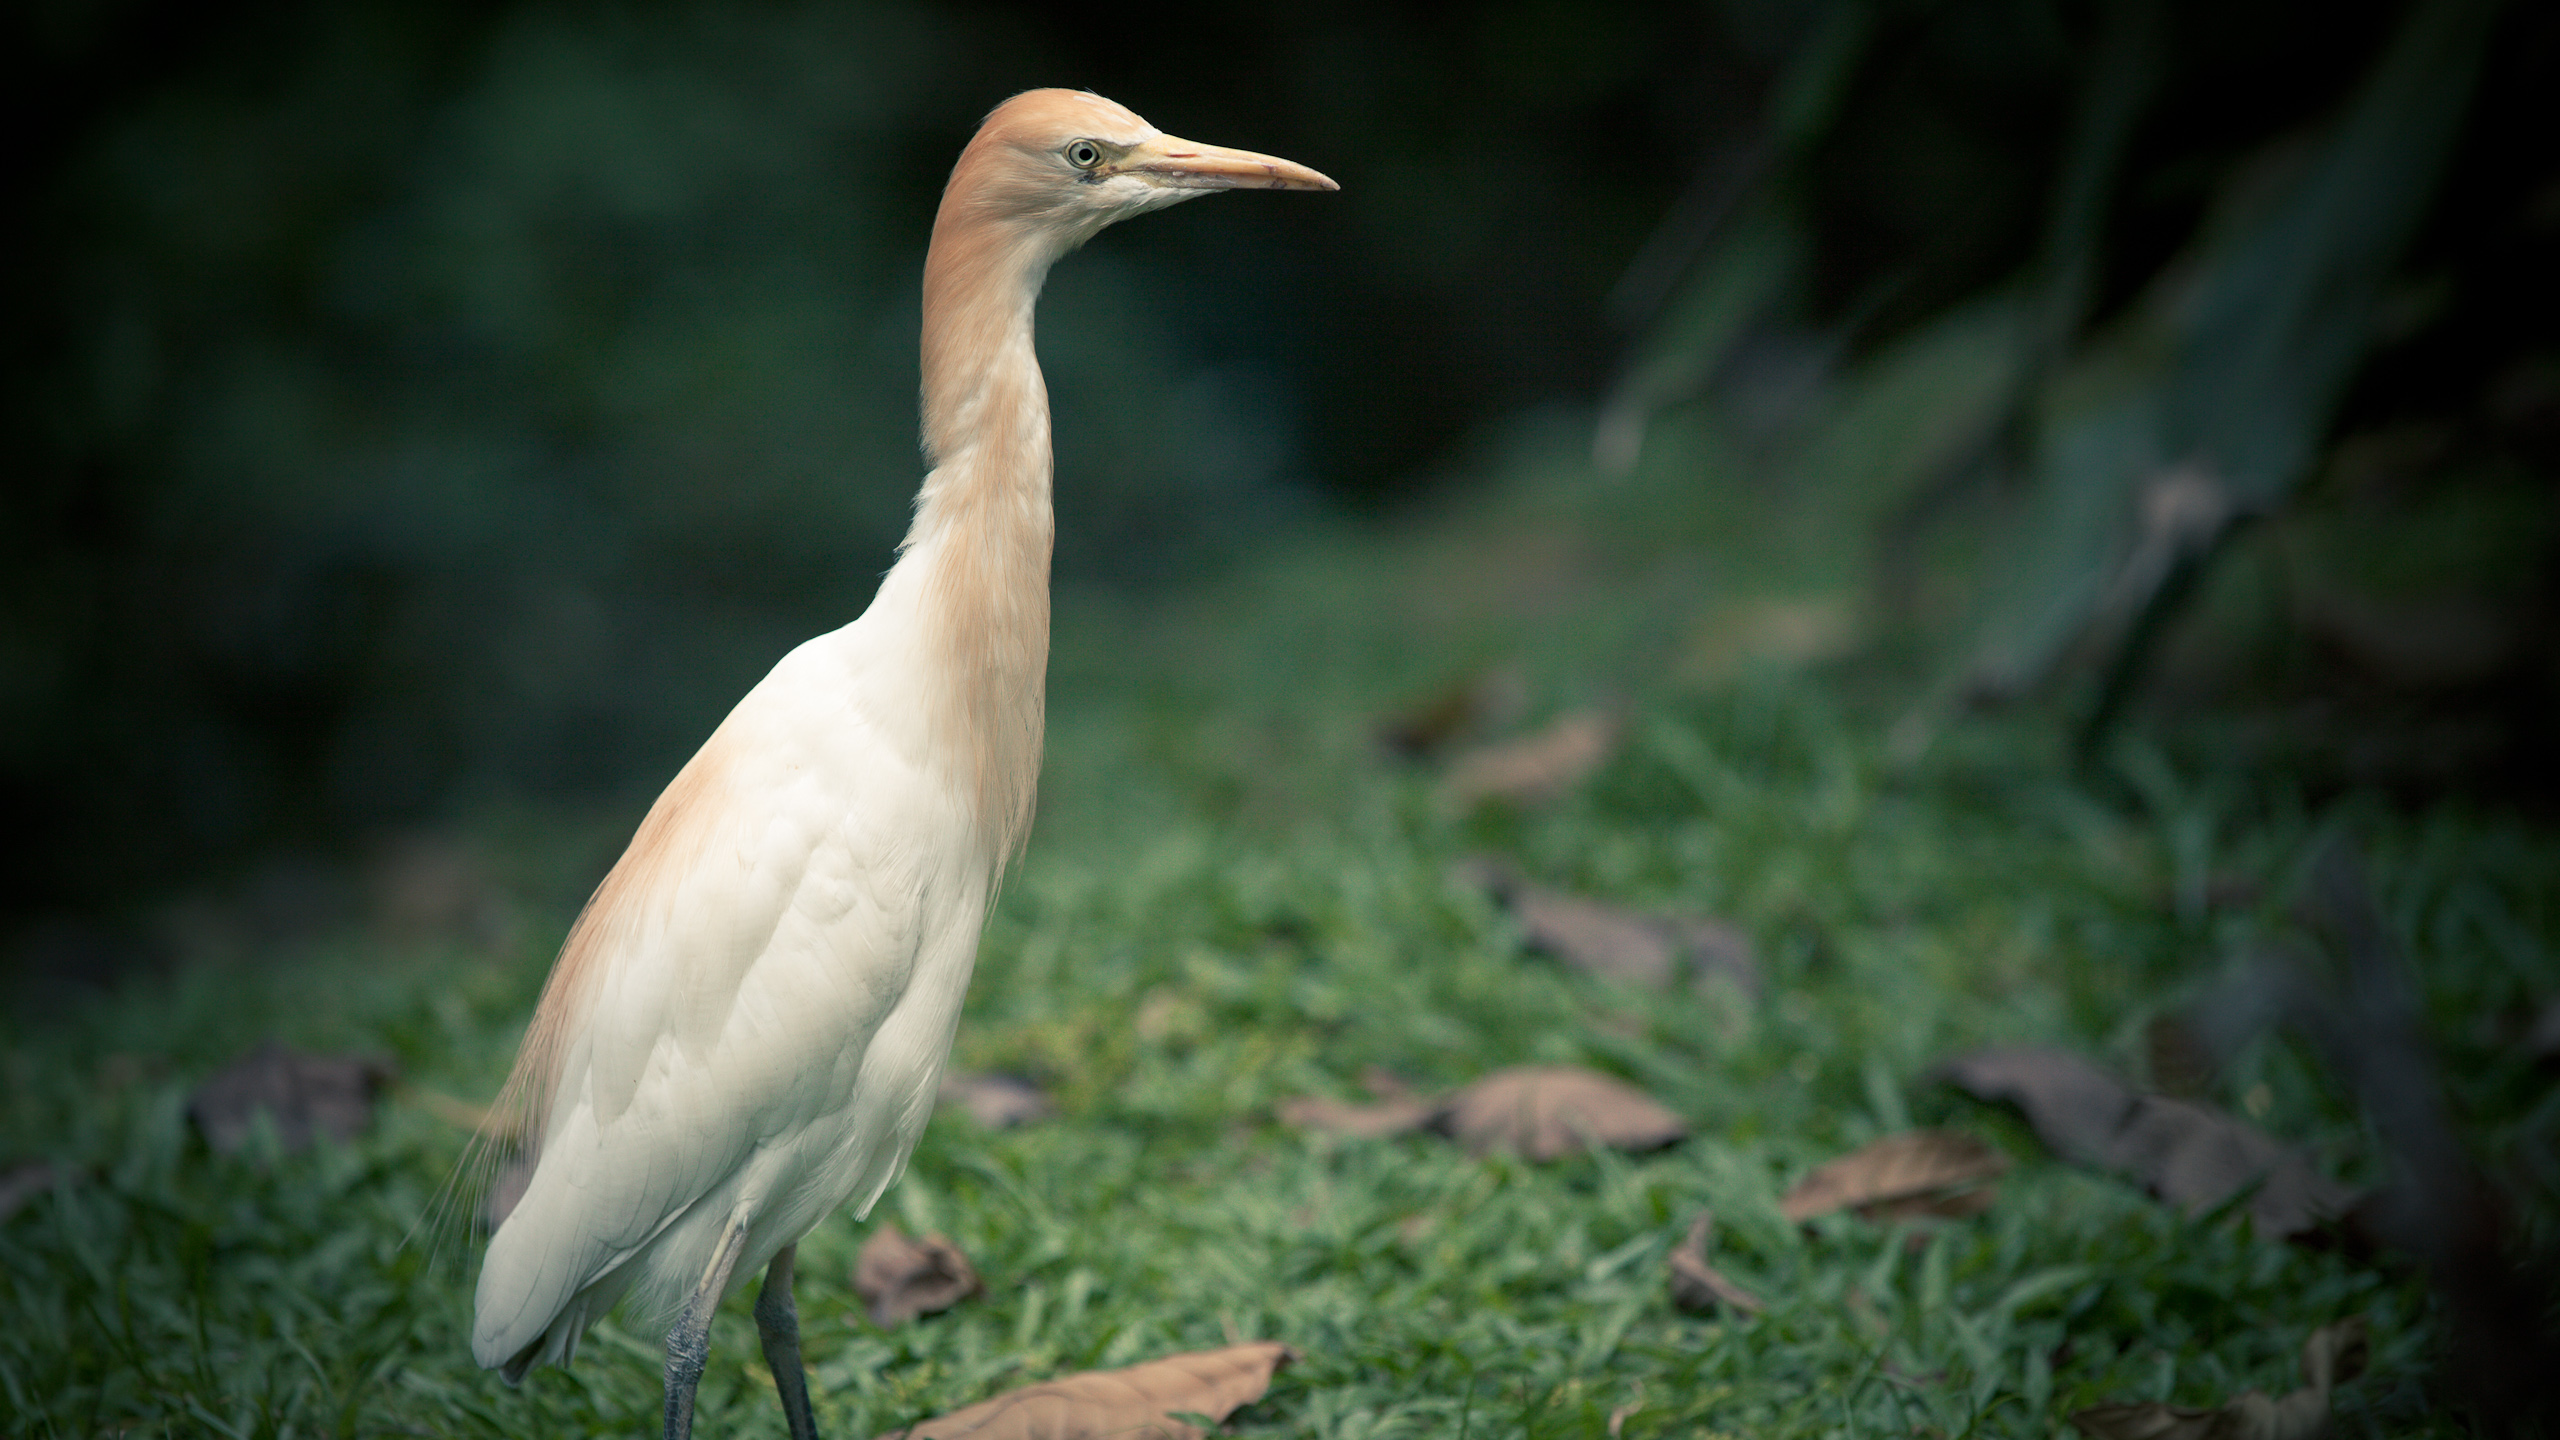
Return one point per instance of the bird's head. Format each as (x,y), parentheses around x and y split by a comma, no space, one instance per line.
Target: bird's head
(1062,164)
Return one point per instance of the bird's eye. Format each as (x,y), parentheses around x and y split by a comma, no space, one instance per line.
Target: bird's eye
(1084,154)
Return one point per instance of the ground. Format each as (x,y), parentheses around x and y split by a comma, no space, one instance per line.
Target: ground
(1235,897)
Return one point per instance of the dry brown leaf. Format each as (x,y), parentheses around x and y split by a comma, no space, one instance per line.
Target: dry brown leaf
(24,1182)
(1544,1112)
(1536,768)
(998,1102)
(1788,631)
(2074,1107)
(1602,939)
(2196,1157)
(2181,1063)
(1917,1172)
(1652,951)
(1386,1084)
(1718,949)
(1958,1205)
(2191,1155)
(2150,1420)
(1137,1403)
(900,1279)
(1361,1122)
(1464,706)
(1697,1285)
(2334,1355)
(307,1095)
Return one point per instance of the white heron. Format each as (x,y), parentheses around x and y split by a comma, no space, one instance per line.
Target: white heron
(746,1026)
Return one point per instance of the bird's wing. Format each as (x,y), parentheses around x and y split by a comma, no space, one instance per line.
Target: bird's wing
(721,989)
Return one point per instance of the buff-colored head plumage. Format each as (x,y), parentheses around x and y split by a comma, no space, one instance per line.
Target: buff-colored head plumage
(1047,170)
(1061,164)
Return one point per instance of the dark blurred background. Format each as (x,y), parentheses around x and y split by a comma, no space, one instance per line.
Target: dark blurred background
(419,407)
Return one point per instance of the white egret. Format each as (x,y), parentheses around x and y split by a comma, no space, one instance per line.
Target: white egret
(747,1024)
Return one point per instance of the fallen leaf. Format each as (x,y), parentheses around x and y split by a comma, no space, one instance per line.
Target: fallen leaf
(1718,948)
(2181,1063)
(1787,632)
(1386,1084)
(24,1182)
(1544,1112)
(2332,1356)
(1957,1205)
(1465,705)
(2196,1157)
(2193,1156)
(2335,1354)
(2073,1106)
(2151,1420)
(1361,1122)
(1592,936)
(900,1279)
(998,1102)
(1697,1285)
(306,1095)
(1138,1403)
(1652,951)
(1917,1172)
(1536,768)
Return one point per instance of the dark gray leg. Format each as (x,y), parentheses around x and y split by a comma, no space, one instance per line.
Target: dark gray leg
(778,1322)
(689,1344)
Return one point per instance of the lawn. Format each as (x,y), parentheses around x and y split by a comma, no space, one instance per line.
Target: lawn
(1234,898)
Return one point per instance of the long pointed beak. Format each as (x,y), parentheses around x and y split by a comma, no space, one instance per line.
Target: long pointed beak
(1190,165)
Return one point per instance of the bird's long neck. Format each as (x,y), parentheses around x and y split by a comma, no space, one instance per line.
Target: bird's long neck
(983,527)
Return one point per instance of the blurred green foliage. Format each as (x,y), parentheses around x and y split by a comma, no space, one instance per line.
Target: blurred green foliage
(2238,290)
(419,408)
(418,405)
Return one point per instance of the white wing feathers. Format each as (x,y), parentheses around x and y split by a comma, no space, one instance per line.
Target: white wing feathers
(735,1002)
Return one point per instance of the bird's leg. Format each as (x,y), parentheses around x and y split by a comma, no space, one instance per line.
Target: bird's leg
(778,1323)
(689,1343)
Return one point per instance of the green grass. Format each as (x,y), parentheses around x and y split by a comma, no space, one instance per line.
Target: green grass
(1230,901)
